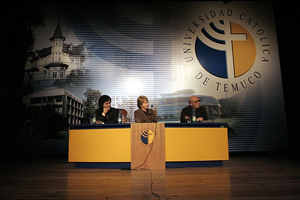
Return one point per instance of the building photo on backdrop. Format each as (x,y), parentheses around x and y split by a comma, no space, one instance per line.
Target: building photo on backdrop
(226,54)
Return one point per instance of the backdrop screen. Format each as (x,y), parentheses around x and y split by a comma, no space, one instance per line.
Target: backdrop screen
(226,54)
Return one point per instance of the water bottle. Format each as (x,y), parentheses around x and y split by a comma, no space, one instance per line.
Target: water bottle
(119,118)
(94,120)
(194,116)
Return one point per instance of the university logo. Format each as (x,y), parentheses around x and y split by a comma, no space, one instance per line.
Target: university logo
(227,47)
(147,136)
(218,48)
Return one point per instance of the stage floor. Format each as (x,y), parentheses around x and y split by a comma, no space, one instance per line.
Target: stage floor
(242,177)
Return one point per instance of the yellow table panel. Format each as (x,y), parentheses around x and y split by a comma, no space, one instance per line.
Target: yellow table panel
(99,145)
(196,144)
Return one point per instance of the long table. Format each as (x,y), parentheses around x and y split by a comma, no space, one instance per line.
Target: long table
(186,145)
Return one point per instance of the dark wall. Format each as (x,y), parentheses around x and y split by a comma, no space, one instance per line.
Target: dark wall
(287,18)
(13,34)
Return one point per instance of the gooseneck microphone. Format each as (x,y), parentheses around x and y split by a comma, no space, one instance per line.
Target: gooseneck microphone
(151,113)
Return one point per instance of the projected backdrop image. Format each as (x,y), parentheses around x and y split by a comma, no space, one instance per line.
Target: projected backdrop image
(226,54)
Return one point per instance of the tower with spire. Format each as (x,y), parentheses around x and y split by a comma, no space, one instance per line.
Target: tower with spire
(57,44)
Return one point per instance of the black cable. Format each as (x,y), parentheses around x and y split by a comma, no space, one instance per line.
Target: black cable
(151,188)
(157,195)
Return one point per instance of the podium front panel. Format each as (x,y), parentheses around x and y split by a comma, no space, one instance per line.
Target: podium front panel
(148,146)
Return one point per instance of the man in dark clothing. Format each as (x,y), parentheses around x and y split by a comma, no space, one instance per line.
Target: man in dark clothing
(106,114)
(195,107)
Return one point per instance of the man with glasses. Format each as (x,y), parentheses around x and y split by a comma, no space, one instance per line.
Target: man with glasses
(194,112)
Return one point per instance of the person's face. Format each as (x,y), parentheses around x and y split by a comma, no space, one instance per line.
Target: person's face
(106,104)
(195,102)
(145,105)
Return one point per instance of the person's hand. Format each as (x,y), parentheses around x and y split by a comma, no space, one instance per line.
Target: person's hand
(106,109)
(199,119)
(186,117)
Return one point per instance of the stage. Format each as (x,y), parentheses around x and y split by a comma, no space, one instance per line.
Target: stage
(259,176)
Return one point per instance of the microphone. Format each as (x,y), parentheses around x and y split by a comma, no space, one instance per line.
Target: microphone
(151,113)
(151,106)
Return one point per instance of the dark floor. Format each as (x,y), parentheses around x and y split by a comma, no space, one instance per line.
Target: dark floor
(256,176)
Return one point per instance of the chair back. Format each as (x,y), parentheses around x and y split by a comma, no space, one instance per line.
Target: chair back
(124,115)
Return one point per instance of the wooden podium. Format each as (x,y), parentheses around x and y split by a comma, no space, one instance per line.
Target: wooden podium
(148,146)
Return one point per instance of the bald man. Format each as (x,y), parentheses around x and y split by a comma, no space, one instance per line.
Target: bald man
(194,106)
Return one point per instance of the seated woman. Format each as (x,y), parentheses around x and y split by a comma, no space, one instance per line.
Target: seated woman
(106,114)
(143,114)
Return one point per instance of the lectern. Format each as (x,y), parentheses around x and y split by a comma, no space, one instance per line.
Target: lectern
(148,146)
